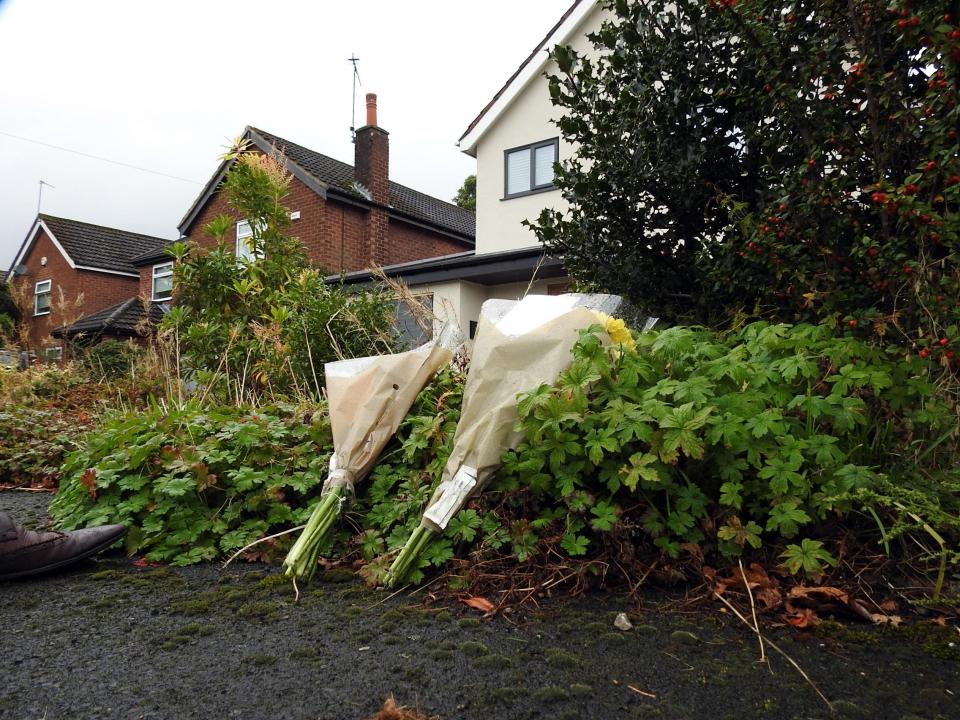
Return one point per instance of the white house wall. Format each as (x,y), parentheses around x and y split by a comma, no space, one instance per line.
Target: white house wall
(459,301)
(527,120)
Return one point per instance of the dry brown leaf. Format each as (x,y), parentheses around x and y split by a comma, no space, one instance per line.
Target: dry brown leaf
(392,711)
(479,603)
(894,620)
(89,481)
(804,618)
(819,594)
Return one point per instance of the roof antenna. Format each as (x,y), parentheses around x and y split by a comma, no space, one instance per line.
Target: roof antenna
(40,193)
(353,112)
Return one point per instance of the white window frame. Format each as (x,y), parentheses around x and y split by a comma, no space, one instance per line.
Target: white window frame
(53,353)
(245,251)
(532,150)
(36,297)
(161,270)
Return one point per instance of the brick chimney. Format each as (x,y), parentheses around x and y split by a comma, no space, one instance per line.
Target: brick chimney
(372,155)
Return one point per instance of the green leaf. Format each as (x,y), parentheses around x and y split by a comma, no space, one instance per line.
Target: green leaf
(809,556)
(574,545)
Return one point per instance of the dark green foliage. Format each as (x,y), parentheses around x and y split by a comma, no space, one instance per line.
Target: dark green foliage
(762,436)
(111,359)
(196,483)
(796,161)
(9,313)
(466,196)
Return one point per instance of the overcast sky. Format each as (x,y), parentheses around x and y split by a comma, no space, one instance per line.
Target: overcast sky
(164,86)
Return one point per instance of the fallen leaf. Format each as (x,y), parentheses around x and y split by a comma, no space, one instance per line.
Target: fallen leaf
(479,603)
(89,481)
(820,593)
(894,620)
(804,618)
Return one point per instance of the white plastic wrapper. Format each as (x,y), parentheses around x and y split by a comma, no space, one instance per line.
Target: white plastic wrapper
(370,396)
(519,346)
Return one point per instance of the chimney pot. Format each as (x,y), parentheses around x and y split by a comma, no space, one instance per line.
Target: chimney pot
(372,109)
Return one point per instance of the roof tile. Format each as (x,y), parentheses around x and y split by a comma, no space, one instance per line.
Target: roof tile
(100,247)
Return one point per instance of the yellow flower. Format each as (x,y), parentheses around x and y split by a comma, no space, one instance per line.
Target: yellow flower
(617,329)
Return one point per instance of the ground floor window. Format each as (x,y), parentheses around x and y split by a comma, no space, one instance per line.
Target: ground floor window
(53,353)
(414,323)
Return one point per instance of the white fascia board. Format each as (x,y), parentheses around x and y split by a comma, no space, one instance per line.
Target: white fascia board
(468,144)
(104,270)
(32,235)
(37,226)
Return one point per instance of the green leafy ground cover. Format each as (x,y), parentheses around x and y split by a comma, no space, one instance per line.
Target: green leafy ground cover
(770,441)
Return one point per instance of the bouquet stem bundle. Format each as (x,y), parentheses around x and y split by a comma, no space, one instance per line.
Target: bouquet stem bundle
(409,556)
(301,561)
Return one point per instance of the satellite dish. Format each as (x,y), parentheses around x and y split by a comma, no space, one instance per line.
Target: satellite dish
(20,270)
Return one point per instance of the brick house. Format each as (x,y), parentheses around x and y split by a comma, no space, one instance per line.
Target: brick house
(348,217)
(71,270)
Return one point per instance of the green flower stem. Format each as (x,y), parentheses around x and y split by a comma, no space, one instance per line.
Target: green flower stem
(301,561)
(409,556)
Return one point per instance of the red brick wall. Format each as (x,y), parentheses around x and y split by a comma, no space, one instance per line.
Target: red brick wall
(99,290)
(338,236)
(407,242)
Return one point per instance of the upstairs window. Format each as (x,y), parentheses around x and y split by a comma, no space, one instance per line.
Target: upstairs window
(245,241)
(529,169)
(41,297)
(162,282)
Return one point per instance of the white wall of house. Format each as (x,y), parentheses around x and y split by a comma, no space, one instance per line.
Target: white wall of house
(526,120)
(459,301)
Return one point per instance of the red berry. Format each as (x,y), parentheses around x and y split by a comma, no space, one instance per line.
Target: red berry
(911,189)
(852,322)
(906,270)
(901,24)
(924,353)
(932,165)
(953,180)
(872,252)
(944,341)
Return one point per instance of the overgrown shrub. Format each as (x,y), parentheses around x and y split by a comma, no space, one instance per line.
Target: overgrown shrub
(197,482)
(266,324)
(111,359)
(33,443)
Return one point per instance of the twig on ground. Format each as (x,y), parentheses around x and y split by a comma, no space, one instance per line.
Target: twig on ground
(257,542)
(753,611)
(775,647)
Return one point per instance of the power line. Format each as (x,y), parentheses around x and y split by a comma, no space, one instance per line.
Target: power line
(102,159)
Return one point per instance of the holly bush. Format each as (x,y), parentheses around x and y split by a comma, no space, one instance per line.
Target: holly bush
(796,161)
